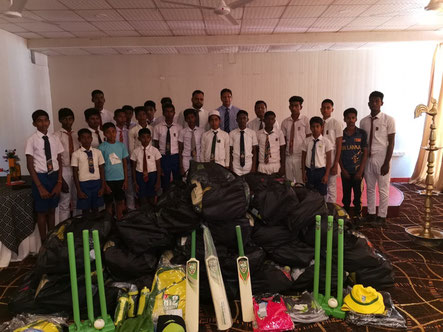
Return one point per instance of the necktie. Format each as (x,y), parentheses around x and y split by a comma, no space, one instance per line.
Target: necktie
(261,125)
(291,139)
(371,135)
(145,166)
(313,154)
(226,124)
(193,146)
(48,155)
(267,149)
(90,161)
(168,142)
(214,142)
(121,136)
(242,148)
(71,143)
(197,120)
(98,135)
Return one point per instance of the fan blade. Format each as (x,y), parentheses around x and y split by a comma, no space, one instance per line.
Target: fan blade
(187,4)
(229,18)
(17,6)
(239,3)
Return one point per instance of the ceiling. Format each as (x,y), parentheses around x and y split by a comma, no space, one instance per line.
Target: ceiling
(89,27)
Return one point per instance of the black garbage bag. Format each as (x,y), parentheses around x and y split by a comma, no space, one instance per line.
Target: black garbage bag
(305,280)
(224,233)
(207,173)
(295,254)
(307,234)
(256,257)
(380,277)
(53,254)
(271,278)
(271,237)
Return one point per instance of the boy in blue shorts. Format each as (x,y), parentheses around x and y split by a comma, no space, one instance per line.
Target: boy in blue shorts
(146,168)
(116,170)
(89,175)
(43,159)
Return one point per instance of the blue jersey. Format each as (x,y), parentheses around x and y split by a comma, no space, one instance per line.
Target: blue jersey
(114,155)
(352,149)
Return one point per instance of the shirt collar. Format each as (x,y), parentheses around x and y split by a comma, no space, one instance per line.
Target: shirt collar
(94,130)
(40,134)
(63,130)
(83,149)
(320,138)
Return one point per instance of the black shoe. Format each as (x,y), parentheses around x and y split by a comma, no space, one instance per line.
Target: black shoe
(369,218)
(379,222)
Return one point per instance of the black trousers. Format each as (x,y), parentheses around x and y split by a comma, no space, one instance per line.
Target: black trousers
(314,180)
(350,185)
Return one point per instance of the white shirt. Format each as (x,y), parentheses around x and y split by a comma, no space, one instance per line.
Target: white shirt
(95,143)
(152,154)
(203,119)
(234,140)
(384,125)
(185,137)
(35,147)
(332,130)
(63,136)
(106,116)
(133,137)
(161,119)
(300,131)
(276,139)
(221,147)
(80,160)
(160,133)
(125,136)
(323,145)
(255,124)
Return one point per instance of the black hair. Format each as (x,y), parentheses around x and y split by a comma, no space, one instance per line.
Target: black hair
(316,119)
(240,112)
(149,103)
(376,94)
(196,92)
(167,105)
(96,92)
(144,131)
(64,112)
(119,110)
(108,125)
(269,113)
(295,99)
(189,111)
(261,102)
(224,91)
(90,112)
(327,101)
(349,111)
(38,113)
(84,131)
(128,108)
(165,100)
(139,109)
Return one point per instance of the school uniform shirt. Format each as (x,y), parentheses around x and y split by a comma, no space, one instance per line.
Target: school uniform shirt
(80,159)
(113,154)
(301,129)
(63,136)
(152,154)
(106,116)
(132,124)
(255,124)
(185,137)
(332,130)
(352,150)
(276,139)
(221,147)
(133,140)
(95,142)
(383,126)
(202,119)
(233,110)
(323,145)
(160,133)
(160,119)
(35,147)
(250,138)
(125,136)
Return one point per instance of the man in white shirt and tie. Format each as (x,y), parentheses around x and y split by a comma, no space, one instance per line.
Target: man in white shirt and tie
(197,100)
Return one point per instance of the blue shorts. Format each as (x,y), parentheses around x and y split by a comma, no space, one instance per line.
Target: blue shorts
(91,189)
(48,181)
(146,189)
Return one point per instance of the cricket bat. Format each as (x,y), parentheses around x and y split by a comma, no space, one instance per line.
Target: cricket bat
(192,289)
(218,292)
(244,280)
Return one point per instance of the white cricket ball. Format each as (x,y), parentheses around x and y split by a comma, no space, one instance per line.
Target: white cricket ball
(99,324)
(332,303)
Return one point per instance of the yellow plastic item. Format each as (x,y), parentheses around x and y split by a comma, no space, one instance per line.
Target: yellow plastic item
(40,325)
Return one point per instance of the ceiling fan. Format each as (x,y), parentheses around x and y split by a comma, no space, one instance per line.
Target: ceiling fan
(223,10)
(15,8)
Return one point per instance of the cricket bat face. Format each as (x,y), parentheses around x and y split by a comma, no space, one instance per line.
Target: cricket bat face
(244,284)
(192,295)
(218,292)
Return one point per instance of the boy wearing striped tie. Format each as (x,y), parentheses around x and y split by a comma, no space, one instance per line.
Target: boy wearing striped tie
(92,117)
(146,168)
(89,174)
(271,147)
(189,140)
(215,142)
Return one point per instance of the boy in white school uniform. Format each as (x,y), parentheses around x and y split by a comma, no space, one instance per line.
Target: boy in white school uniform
(271,147)
(215,142)
(129,112)
(333,130)
(98,98)
(380,128)
(296,129)
(68,195)
(258,123)
(142,122)
(244,145)
(189,140)
(92,117)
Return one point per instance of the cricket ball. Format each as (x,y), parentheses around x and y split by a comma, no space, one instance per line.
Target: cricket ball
(99,324)
(332,303)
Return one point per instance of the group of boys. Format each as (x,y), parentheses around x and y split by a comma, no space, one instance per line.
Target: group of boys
(114,159)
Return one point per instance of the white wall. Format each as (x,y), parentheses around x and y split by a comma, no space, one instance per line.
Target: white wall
(347,77)
(24,87)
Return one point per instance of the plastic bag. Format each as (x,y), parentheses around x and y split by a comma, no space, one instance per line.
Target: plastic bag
(49,323)
(304,309)
(271,314)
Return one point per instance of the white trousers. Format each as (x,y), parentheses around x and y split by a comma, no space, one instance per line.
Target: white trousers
(372,178)
(268,168)
(293,168)
(242,170)
(68,199)
(331,196)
